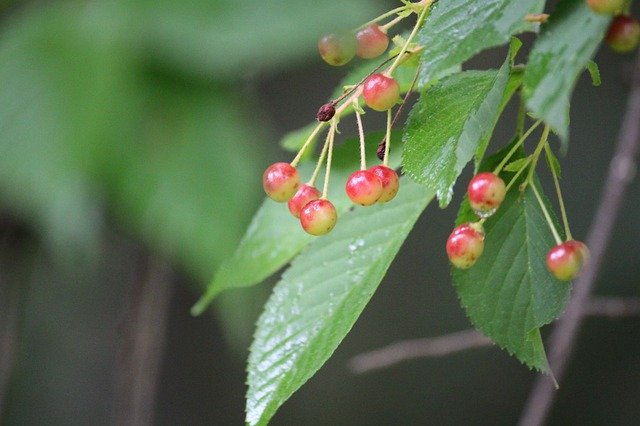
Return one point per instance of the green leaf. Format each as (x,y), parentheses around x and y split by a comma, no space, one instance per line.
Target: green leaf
(552,161)
(509,294)
(516,165)
(594,72)
(458,29)
(320,297)
(274,237)
(294,140)
(448,123)
(563,50)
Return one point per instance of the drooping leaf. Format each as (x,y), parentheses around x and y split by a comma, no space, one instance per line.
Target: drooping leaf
(321,295)
(274,237)
(563,50)
(448,123)
(518,164)
(509,294)
(458,29)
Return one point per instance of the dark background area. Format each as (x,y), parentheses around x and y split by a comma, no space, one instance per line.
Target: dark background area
(78,268)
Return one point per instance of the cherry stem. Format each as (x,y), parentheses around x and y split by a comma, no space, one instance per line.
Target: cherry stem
(515,177)
(311,137)
(363,160)
(535,157)
(416,27)
(556,182)
(513,150)
(556,236)
(316,171)
(330,136)
(387,145)
(384,28)
(383,16)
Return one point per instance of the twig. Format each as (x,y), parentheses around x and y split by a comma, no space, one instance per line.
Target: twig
(562,339)
(614,307)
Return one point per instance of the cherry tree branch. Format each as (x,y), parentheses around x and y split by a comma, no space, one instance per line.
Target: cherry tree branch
(395,353)
(562,340)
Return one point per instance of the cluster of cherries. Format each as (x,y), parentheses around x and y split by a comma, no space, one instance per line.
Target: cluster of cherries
(465,245)
(623,35)
(367,186)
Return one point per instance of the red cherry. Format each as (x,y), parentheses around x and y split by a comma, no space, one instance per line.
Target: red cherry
(337,49)
(390,182)
(486,192)
(280,181)
(623,35)
(372,42)
(565,260)
(305,194)
(381,92)
(318,217)
(606,6)
(363,187)
(465,245)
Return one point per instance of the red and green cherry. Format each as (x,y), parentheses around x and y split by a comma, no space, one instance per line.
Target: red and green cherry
(465,245)
(607,7)
(381,92)
(280,181)
(486,192)
(364,187)
(305,194)
(623,35)
(337,49)
(390,182)
(318,217)
(565,260)
(371,42)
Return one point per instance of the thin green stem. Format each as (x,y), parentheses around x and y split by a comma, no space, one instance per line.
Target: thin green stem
(331,135)
(313,134)
(504,161)
(535,157)
(416,27)
(363,159)
(383,16)
(316,171)
(387,145)
(556,182)
(384,28)
(518,173)
(547,217)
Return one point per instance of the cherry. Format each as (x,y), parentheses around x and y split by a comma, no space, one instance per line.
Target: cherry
(318,217)
(606,6)
(364,187)
(381,92)
(390,182)
(337,49)
(372,42)
(623,35)
(305,194)
(565,260)
(486,192)
(280,181)
(465,245)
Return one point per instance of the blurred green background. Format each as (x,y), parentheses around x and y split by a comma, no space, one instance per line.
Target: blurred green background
(133,134)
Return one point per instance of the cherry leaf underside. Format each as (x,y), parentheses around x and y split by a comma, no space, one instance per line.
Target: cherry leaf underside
(456,30)
(322,294)
(509,294)
(448,124)
(274,236)
(563,50)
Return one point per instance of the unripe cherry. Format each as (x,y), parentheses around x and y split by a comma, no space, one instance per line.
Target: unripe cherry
(305,194)
(486,192)
(565,261)
(280,181)
(623,35)
(381,92)
(390,182)
(371,42)
(606,6)
(338,48)
(318,217)
(465,245)
(363,187)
